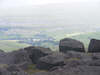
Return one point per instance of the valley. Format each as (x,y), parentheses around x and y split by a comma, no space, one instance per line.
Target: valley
(15,37)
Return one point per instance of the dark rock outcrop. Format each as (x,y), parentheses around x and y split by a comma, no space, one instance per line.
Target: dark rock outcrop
(95,59)
(50,61)
(79,70)
(41,73)
(12,70)
(71,60)
(73,54)
(3,56)
(94,63)
(94,45)
(37,52)
(69,44)
(78,56)
(95,56)
(3,71)
(19,57)
(15,57)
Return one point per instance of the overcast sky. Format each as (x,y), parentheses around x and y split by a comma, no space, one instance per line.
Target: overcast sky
(85,11)
(18,3)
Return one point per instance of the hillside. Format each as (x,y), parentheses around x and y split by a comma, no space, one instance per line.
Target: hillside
(85,38)
(27,30)
(70,59)
(11,45)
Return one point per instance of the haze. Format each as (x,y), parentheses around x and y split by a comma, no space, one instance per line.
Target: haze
(50,11)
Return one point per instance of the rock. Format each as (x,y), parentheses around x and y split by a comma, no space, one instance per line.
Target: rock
(50,61)
(94,46)
(24,65)
(78,56)
(15,70)
(94,63)
(74,63)
(89,70)
(73,54)
(41,73)
(69,44)
(37,52)
(78,70)
(95,56)
(18,57)
(3,71)
(27,55)
(12,70)
(3,56)
(1,51)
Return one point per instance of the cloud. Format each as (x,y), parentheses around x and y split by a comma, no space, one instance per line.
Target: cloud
(24,6)
(17,3)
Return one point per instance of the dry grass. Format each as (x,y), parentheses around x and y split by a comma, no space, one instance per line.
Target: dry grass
(3,65)
(72,59)
(32,69)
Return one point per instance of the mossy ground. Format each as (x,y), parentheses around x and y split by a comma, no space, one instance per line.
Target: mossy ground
(32,69)
(3,65)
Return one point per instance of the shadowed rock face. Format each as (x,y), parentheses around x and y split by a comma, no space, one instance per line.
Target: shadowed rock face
(71,60)
(42,73)
(18,57)
(77,70)
(94,46)
(37,52)
(69,44)
(50,61)
(12,70)
(3,56)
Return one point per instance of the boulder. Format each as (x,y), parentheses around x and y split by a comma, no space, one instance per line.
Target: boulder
(15,70)
(77,70)
(94,63)
(18,57)
(12,70)
(50,61)
(1,51)
(73,55)
(69,44)
(3,56)
(41,73)
(27,55)
(37,52)
(24,65)
(95,56)
(3,71)
(94,45)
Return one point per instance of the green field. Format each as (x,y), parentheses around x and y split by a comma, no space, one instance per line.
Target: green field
(9,45)
(83,37)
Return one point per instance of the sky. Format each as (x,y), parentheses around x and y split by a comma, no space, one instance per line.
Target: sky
(83,11)
(18,3)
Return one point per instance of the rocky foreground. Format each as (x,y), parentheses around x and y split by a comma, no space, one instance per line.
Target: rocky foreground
(70,60)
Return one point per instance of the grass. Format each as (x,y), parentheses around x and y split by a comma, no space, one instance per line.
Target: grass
(32,69)
(71,59)
(9,45)
(3,65)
